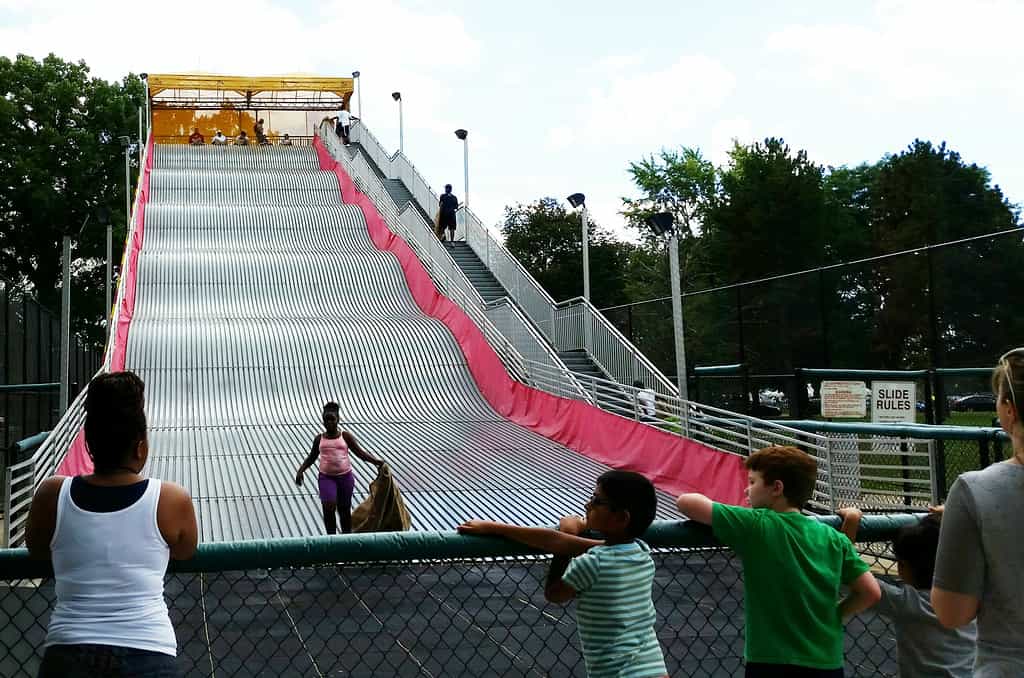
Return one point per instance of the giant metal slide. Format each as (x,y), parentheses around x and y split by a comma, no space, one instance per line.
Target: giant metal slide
(260,296)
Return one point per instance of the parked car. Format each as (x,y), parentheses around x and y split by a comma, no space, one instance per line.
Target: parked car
(977,402)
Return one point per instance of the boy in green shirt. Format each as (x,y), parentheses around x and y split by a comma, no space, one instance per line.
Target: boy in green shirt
(793,567)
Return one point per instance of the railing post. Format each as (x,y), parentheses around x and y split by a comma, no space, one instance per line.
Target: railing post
(938,454)
(984,456)
(933,465)
(8,480)
(831,479)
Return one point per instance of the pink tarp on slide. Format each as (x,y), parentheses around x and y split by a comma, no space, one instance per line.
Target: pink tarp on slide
(673,464)
(77,460)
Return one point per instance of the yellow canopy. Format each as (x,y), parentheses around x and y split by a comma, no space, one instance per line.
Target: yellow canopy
(202,91)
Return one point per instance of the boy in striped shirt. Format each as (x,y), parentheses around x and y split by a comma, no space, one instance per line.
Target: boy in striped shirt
(612,578)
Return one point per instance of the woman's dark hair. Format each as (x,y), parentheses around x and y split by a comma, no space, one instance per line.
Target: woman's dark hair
(332,406)
(916,545)
(115,422)
(628,491)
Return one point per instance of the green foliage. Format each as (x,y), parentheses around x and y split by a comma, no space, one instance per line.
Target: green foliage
(679,182)
(771,211)
(548,240)
(60,158)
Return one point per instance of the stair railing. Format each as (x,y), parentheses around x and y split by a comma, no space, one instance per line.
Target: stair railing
(572,324)
(412,228)
(534,348)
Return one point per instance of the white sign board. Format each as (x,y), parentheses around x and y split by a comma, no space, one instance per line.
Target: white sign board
(893,402)
(843,399)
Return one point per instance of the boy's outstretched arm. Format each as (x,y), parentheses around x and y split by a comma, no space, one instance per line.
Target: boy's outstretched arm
(695,507)
(864,593)
(541,538)
(851,522)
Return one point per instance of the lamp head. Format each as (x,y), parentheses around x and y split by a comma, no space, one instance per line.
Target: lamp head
(661,223)
(461,134)
(397,96)
(355,74)
(577,199)
(144,76)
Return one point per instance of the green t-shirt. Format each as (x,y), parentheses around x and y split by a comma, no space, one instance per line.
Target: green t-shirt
(793,566)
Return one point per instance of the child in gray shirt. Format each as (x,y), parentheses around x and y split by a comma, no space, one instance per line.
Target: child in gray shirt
(925,648)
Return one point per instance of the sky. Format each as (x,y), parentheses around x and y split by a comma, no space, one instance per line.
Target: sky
(560,97)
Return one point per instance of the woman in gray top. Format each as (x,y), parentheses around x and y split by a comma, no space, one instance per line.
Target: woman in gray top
(981,549)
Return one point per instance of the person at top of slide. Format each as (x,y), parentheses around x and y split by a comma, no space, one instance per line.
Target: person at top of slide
(335,478)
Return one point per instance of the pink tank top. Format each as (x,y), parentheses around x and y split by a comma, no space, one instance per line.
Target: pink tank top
(334,459)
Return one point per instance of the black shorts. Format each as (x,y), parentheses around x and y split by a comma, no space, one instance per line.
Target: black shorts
(447,220)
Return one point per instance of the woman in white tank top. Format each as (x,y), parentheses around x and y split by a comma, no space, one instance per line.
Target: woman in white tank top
(110,535)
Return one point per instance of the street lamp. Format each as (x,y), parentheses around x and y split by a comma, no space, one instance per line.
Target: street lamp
(463,135)
(397,96)
(579,200)
(359,94)
(126,143)
(103,216)
(662,223)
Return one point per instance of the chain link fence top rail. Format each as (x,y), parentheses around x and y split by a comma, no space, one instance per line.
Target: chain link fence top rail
(429,604)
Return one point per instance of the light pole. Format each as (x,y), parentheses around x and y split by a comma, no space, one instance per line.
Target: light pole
(662,223)
(359,95)
(144,115)
(397,96)
(65,309)
(579,200)
(126,143)
(65,320)
(463,136)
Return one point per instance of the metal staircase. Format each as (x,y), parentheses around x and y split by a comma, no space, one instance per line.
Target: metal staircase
(483,280)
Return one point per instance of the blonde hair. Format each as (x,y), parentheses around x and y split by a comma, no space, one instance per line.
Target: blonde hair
(1008,380)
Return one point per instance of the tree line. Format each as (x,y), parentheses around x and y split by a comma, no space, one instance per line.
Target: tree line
(769,210)
(60,160)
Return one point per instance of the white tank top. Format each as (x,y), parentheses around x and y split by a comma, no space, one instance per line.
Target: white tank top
(109,576)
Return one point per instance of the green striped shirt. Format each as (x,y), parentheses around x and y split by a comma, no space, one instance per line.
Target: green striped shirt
(614,611)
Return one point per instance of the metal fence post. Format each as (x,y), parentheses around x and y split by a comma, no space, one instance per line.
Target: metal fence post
(831,479)
(8,479)
(938,453)
(984,457)
(937,477)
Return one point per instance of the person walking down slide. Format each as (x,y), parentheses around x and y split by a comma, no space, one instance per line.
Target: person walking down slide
(335,479)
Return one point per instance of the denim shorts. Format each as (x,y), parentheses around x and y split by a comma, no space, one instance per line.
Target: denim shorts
(94,661)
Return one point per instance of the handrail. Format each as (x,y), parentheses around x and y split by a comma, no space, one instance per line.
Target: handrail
(629,366)
(29,388)
(267,554)
(919,431)
(613,352)
(369,183)
(507,317)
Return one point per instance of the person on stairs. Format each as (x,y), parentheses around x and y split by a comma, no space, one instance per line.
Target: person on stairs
(448,205)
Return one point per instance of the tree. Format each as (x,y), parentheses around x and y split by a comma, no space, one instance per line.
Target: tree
(60,158)
(680,182)
(926,195)
(547,239)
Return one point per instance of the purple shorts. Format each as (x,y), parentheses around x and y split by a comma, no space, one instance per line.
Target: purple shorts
(336,489)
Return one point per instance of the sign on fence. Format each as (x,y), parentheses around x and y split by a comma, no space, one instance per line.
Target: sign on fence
(893,402)
(843,399)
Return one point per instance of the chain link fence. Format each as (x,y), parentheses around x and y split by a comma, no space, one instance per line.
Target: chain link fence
(442,605)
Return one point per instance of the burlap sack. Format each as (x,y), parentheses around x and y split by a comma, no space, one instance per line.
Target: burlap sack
(383,510)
